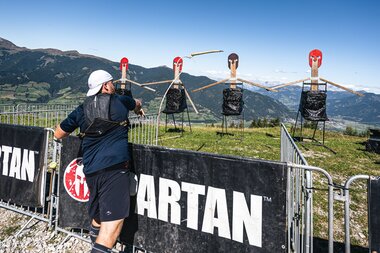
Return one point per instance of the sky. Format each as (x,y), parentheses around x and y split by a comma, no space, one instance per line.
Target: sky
(272,38)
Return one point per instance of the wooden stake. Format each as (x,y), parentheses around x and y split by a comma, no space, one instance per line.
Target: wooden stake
(159,82)
(140,85)
(291,83)
(191,101)
(256,84)
(210,85)
(342,87)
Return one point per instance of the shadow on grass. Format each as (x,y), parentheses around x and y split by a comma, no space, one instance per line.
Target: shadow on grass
(321,246)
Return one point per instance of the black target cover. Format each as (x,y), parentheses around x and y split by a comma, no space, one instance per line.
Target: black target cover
(124,92)
(175,101)
(313,105)
(232,101)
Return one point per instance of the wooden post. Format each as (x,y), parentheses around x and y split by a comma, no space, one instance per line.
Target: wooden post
(314,76)
(123,68)
(123,77)
(233,75)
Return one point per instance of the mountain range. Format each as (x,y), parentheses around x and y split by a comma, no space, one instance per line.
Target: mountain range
(55,76)
(340,104)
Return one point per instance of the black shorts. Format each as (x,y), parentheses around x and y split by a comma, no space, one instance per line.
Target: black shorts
(109,194)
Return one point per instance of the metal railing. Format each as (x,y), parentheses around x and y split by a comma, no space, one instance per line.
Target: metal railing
(41,115)
(143,130)
(43,213)
(347,241)
(300,197)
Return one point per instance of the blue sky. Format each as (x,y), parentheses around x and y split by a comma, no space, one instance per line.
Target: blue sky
(272,38)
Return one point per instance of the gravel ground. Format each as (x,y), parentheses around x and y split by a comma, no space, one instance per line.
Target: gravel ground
(37,237)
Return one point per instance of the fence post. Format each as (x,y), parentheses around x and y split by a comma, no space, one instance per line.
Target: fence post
(331,200)
(347,210)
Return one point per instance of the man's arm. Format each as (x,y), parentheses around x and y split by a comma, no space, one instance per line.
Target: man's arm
(59,133)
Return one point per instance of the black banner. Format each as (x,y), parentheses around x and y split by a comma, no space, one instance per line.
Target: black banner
(196,202)
(374,215)
(22,154)
(73,192)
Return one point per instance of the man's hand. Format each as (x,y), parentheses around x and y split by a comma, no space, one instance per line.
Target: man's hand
(138,110)
(141,112)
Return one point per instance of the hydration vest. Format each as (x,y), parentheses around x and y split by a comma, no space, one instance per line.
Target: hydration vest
(97,116)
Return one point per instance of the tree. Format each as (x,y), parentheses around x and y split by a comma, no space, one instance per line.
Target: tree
(259,123)
(265,122)
(253,124)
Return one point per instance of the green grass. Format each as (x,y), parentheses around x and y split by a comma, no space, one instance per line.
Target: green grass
(250,143)
(264,143)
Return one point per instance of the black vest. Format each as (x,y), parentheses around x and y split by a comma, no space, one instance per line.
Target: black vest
(98,121)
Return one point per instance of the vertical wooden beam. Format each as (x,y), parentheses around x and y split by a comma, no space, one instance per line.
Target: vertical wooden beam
(314,76)
(123,77)
(233,75)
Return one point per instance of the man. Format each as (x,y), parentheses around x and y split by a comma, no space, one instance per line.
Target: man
(102,121)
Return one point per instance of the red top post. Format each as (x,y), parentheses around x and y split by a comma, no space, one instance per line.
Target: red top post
(124,63)
(315,55)
(178,62)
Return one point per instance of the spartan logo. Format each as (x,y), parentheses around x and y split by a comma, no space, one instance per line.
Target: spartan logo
(75,181)
(17,163)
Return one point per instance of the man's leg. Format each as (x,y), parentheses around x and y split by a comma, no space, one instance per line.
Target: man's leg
(109,232)
(94,230)
(114,206)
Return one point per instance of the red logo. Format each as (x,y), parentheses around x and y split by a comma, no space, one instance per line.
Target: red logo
(75,181)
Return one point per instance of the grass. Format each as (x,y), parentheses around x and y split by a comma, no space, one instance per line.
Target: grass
(264,143)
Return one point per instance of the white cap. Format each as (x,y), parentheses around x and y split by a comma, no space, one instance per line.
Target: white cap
(95,81)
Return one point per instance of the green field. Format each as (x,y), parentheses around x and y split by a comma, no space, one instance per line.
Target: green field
(264,143)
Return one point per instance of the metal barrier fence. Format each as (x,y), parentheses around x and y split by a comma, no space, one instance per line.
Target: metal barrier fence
(143,130)
(347,201)
(300,229)
(42,115)
(300,206)
(43,213)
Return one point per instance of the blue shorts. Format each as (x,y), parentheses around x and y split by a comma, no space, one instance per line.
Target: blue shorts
(109,193)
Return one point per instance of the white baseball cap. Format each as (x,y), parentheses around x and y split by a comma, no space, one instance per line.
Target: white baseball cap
(95,81)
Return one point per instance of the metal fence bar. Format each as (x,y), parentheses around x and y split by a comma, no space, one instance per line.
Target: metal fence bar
(142,130)
(347,242)
(300,215)
(330,200)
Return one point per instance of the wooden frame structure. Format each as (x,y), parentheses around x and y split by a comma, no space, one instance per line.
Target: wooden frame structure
(125,83)
(315,61)
(233,63)
(176,83)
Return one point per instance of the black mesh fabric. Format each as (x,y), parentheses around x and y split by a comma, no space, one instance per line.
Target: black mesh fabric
(232,101)
(175,101)
(124,92)
(313,105)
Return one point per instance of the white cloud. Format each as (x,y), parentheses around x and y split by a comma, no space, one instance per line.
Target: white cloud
(285,71)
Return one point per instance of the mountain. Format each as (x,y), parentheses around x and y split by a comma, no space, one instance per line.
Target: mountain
(340,104)
(360,109)
(52,75)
